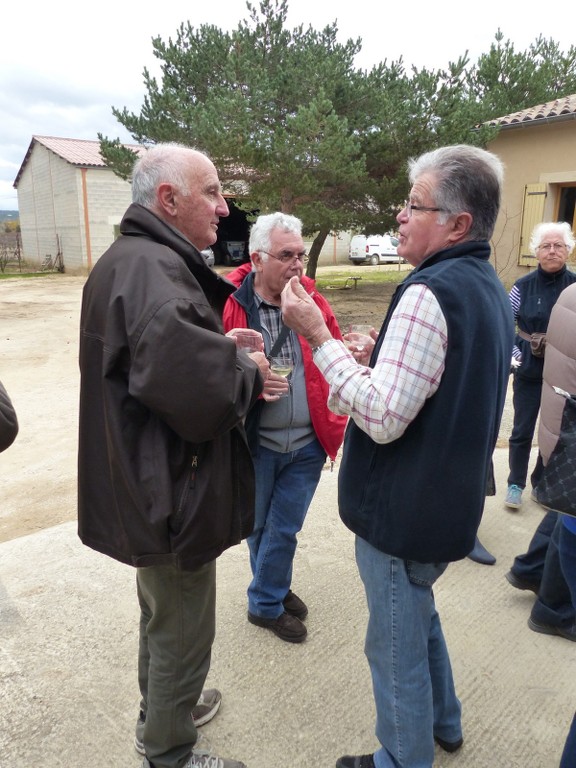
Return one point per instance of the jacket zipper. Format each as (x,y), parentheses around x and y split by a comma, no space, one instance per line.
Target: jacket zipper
(189,484)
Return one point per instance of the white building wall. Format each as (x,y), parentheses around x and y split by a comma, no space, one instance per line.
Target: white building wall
(47,203)
(108,198)
(73,208)
(334,251)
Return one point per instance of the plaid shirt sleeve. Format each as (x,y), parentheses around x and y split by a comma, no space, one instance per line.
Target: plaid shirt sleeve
(383,400)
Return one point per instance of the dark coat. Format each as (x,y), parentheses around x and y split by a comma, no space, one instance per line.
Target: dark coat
(8,420)
(164,471)
(539,291)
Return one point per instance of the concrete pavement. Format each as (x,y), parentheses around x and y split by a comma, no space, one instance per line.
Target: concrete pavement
(68,616)
(68,627)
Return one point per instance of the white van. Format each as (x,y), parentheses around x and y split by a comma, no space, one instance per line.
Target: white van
(374,249)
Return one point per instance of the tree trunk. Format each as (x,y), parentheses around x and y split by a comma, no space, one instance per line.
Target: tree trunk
(314,252)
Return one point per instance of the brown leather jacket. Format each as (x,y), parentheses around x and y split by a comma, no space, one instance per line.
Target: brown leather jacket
(164,470)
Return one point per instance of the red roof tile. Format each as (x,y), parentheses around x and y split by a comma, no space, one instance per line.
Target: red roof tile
(80,152)
(553,110)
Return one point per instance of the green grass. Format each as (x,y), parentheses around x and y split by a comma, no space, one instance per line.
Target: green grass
(368,277)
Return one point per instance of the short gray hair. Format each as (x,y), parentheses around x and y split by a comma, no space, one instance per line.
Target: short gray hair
(467,179)
(262,228)
(161,163)
(543,229)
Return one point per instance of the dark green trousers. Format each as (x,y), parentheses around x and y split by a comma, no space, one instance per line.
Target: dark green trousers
(177,627)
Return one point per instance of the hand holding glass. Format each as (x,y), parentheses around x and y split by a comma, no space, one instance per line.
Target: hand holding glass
(247,339)
(356,336)
(282,365)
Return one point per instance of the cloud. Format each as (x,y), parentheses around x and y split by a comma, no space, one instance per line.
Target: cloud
(44,105)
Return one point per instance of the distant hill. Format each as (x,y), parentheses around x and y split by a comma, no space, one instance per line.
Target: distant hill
(9,216)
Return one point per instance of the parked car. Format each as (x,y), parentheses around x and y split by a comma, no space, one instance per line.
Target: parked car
(208,254)
(374,249)
(235,252)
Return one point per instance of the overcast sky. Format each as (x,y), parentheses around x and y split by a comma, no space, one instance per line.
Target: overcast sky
(63,67)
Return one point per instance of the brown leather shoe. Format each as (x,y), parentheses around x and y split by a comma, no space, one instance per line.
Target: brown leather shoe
(295,606)
(286,627)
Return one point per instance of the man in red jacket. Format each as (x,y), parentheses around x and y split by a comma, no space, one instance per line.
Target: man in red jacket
(290,429)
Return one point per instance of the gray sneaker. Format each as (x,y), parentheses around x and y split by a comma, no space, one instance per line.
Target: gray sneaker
(202,760)
(207,706)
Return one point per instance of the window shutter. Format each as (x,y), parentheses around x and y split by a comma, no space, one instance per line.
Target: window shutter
(532,214)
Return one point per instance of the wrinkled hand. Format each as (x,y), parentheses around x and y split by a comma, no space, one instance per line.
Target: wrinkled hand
(275,386)
(300,313)
(360,345)
(262,362)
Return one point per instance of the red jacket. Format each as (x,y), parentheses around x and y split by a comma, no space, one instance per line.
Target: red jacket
(328,426)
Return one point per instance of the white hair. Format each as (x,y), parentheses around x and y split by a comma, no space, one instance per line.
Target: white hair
(545,228)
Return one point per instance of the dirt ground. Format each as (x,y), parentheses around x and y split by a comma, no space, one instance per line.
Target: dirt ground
(367,304)
(39,368)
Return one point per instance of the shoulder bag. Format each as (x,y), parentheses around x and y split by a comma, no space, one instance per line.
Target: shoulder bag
(557,487)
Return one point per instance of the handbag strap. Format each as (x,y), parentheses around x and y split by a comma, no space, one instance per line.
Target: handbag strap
(278,344)
(528,336)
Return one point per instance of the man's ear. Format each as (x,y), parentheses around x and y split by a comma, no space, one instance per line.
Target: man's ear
(166,198)
(461,225)
(256,259)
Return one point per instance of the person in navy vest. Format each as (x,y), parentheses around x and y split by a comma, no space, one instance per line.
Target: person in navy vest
(532,298)
(424,410)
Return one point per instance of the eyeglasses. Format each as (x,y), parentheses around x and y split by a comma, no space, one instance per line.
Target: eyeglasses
(410,208)
(287,256)
(552,247)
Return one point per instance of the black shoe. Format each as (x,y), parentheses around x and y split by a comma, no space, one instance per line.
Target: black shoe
(519,583)
(360,761)
(295,606)
(568,633)
(449,746)
(480,554)
(287,627)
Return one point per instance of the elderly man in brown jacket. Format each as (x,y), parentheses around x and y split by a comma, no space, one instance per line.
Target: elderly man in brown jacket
(8,420)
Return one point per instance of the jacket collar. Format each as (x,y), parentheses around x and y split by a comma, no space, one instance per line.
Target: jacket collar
(477,249)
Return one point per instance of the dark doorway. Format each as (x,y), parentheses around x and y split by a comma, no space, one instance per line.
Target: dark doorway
(231,248)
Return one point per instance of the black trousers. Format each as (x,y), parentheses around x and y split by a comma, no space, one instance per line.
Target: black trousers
(526,401)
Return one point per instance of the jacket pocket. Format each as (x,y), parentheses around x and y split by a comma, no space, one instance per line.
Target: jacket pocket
(177,518)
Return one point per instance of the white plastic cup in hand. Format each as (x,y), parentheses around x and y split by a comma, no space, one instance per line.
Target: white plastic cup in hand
(361,330)
(249,342)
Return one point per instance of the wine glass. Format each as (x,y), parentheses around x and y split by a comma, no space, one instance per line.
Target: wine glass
(282,364)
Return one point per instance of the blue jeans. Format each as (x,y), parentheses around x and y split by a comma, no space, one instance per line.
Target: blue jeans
(405,647)
(567,549)
(285,486)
